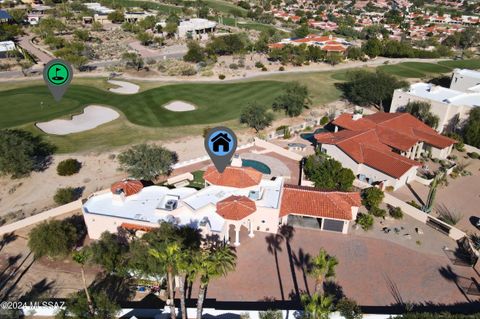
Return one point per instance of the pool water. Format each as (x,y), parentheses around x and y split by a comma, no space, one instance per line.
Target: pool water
(259,166)
(311,136)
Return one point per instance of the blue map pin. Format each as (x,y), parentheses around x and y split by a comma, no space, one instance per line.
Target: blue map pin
(221,144)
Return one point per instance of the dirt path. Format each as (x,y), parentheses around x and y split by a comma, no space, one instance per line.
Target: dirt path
(26,43)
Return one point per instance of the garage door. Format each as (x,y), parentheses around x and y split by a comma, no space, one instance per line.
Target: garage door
(333,225)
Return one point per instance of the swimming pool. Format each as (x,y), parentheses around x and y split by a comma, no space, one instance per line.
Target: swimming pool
(311,136)
(259,166)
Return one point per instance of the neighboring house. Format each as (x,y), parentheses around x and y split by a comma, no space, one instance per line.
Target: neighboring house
(326,43)
(382,147)
(193,28)
(6,47)
(239,198)
(450,105)
(5,17)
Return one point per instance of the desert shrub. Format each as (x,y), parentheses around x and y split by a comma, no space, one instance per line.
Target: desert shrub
(349,309)
(365,221)
(372,197)
(271,314)
(324,120)
(68,167)
(389,189)
(474,155)
(396,212)
(448,216)
(281,68)
(308,129)
(259,65)
(233,66)
(221,76)
(264,69)
(414,204)
(377,212)
(176,68)
(65,195)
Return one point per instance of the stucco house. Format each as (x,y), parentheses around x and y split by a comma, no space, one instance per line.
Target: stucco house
(449,104)
(382,147)
(239,198)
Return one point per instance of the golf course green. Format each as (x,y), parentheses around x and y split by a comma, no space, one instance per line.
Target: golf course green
(215,103)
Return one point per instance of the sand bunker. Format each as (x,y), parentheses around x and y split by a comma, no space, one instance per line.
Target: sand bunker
(91,117)
(124,87)
(180,106)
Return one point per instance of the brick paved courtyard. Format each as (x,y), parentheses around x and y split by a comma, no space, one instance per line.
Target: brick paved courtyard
(371,271)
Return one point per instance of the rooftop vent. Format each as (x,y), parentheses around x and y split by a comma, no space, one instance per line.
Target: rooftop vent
(171,204)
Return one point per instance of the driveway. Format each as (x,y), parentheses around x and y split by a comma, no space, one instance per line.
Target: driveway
(371,271)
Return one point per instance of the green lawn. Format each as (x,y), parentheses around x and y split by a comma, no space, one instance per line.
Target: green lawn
(224,6)
(426,67)
(467,64)
(399,70)
(216,103)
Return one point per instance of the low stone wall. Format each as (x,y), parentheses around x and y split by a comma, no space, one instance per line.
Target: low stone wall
(277,149)
(58,211)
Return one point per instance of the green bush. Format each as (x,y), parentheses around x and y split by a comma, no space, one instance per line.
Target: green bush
(324,120)
(233,66)
(414,204)
(68,167)
(396,212)
(270,314)
(349,309)
(259,65)
(474,155)
(221,76)
(281,68)
(372,197)
(65,195)
(365,221)
(264,69)
(460,146)
(389,189)
(377,212)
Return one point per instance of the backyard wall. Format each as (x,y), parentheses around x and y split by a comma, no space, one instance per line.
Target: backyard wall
(408,209)
(72,207)
(277,149)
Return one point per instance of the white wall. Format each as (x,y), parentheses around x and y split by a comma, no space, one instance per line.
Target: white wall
(444,111)
(461,82)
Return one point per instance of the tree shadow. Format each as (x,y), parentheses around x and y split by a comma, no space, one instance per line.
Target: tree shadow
(7,239)
(274,246)
(333,289)
(450,275)
(415,194)
(17,276)
(442,80)
(118,288)
(303,261)
(394,291)
(39,290)
(287,233)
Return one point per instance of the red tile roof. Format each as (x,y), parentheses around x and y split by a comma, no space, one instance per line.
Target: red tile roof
(236,207)
(310,201)
(128,187)
(240,177)
(136,227)
(370,140)
(334,48)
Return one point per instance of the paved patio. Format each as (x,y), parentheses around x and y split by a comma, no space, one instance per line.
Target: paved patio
(373,272)
(462,195)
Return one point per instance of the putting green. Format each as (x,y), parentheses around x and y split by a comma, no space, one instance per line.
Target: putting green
(216,103)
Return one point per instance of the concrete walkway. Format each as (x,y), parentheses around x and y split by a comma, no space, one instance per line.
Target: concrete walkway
(26,43)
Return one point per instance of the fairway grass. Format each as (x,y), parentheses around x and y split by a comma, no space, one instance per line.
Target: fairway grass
(143,117)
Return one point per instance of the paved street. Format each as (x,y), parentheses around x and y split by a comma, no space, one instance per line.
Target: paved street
(389,272)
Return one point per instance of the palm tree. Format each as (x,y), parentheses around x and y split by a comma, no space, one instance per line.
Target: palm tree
(81,257)
(317,306)
(214,262)
(322,268)
(187,267)
(168,256)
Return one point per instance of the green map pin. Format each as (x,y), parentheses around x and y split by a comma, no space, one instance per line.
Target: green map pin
(58,74)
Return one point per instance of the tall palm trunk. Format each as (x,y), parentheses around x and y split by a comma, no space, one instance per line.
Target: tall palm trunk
(318,284)
(171,294)
(87,294)
(201,299)
(181,289)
